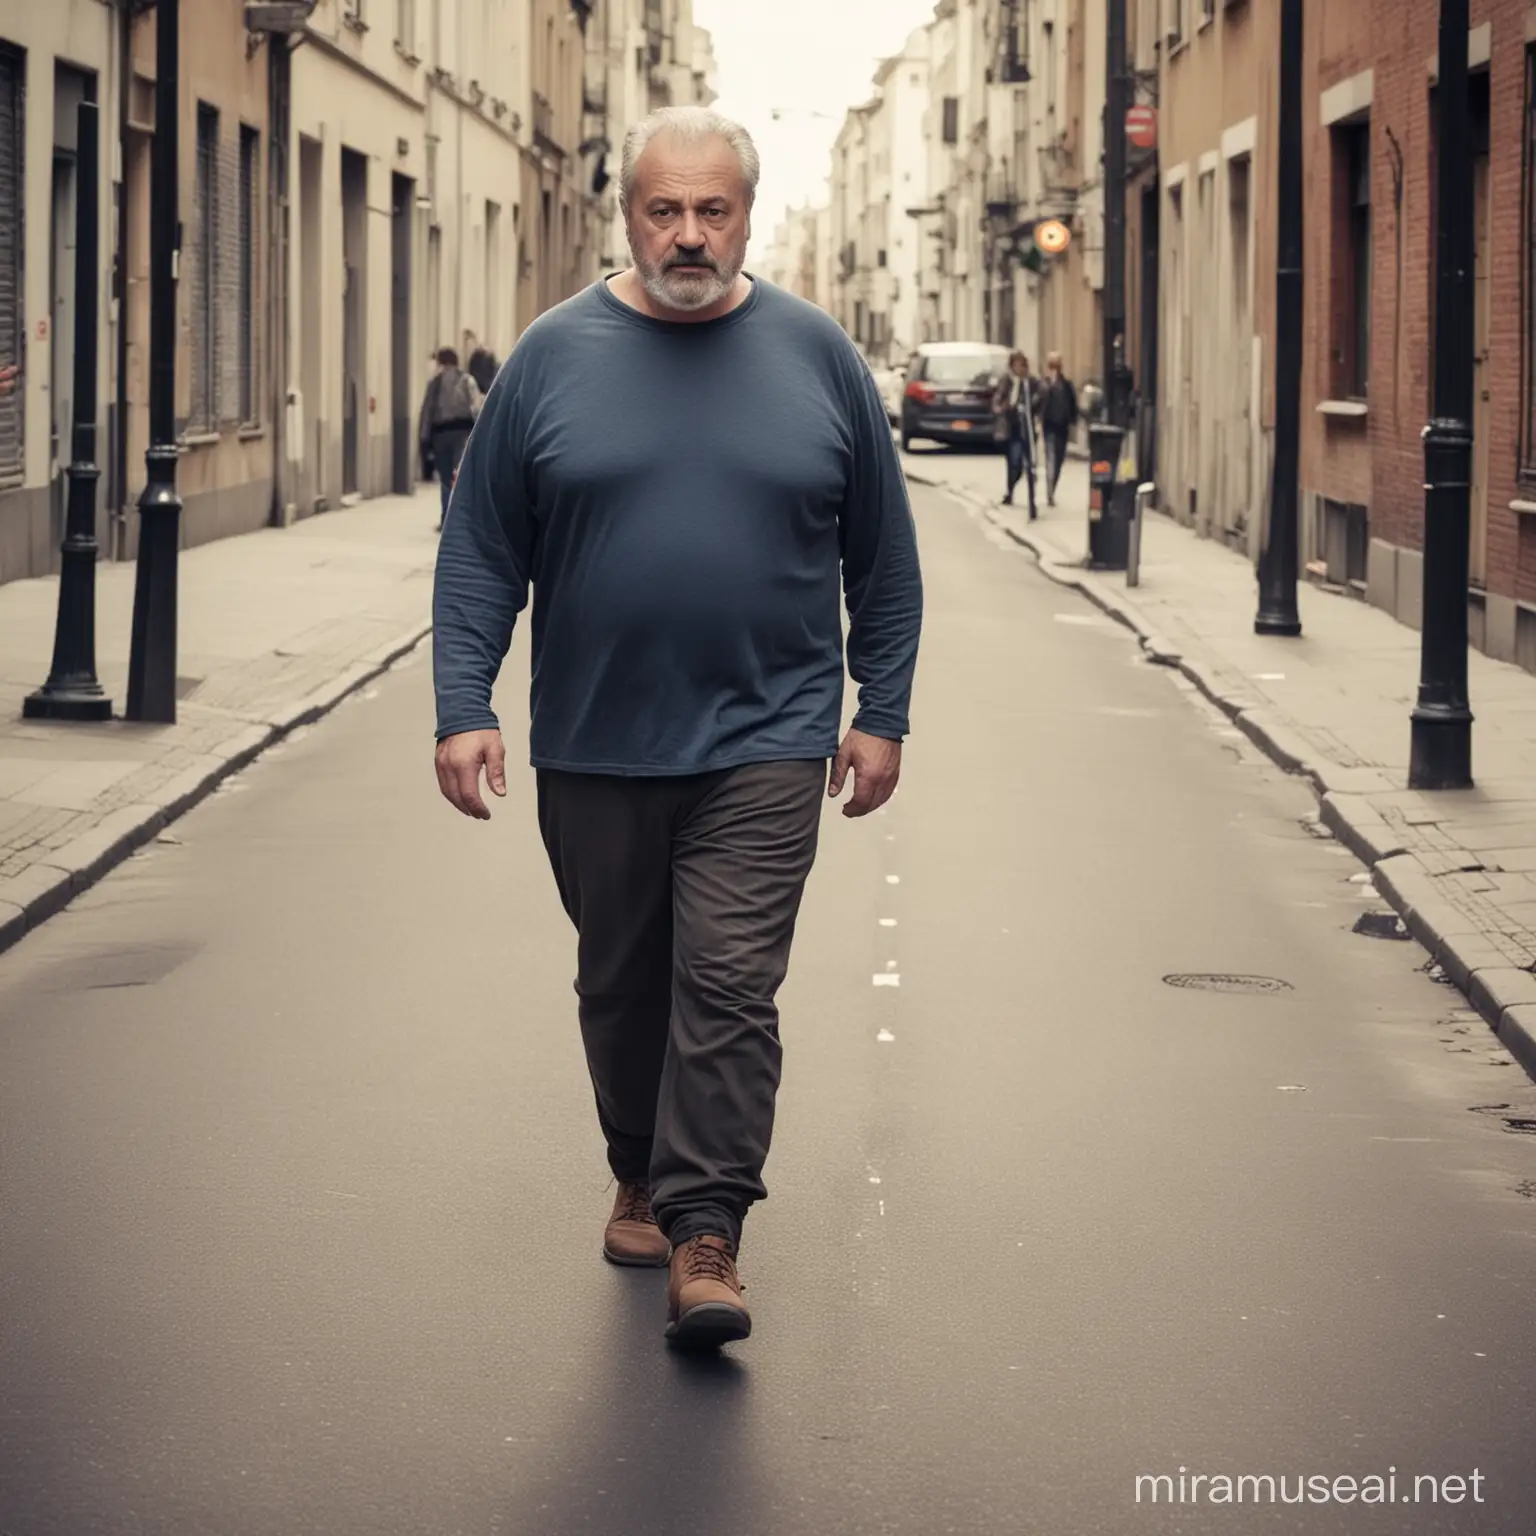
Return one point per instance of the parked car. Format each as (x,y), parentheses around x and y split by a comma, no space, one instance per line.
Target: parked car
(949,390)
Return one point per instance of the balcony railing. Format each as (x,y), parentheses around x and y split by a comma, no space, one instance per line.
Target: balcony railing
(1003,194)
(1011,66)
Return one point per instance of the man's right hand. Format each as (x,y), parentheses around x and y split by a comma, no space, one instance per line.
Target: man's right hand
(459,761)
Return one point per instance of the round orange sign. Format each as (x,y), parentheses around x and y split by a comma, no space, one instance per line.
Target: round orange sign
(1141,127)
(1053,237)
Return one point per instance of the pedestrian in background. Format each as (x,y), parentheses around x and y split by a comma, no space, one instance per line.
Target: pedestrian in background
(1017,402)
(480,363)
(1058,415)
(690,515)
(448,413)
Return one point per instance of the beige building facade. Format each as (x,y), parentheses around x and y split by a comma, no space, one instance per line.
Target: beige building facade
(986,124)
(381,182)
(641,54)
(52,56)
(1216,141)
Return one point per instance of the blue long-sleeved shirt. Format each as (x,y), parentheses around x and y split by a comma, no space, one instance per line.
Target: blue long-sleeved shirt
(683,500)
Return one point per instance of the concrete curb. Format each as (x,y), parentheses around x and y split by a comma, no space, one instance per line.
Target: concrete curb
(1504,995)
(48,886)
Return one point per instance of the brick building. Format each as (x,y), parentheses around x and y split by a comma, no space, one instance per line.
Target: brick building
(1370,103)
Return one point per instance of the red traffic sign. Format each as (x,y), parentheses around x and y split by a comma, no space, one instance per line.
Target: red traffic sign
(1141,127)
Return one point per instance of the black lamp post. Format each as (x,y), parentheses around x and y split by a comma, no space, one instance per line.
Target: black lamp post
(1279,560)
(72,691)
(1111,498)
(152,659)
(1440,755)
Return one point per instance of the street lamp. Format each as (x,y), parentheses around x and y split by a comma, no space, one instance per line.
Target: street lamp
(152,656)
(1279,559)
(1440,756)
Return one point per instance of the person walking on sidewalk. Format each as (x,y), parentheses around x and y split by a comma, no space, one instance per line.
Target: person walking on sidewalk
(1017,403)
(448,414)
(693,471)
(480,362)
(1058,415)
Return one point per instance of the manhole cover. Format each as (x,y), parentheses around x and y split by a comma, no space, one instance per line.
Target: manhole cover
(1216,983)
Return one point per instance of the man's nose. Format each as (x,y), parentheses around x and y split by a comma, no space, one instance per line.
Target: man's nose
(691,233)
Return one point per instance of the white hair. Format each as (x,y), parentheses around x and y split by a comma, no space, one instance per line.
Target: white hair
(692,125)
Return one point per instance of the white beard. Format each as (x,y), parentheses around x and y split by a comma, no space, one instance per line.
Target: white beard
(686,292)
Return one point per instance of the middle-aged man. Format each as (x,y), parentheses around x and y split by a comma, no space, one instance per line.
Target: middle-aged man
(685,463)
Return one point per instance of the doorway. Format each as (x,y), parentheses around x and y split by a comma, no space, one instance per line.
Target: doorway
(354,259)
(1151,237)
(311,268)
(401,231)
(61,332)
(70,88)
(1237,465)
(1478,124)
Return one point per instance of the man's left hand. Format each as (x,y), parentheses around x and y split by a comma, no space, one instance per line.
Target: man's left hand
(875,764)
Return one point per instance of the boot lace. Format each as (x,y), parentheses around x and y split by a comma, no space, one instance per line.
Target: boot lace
(635,1204)
(707,1262)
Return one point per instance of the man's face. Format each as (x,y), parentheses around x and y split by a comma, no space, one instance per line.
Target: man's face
(688,222)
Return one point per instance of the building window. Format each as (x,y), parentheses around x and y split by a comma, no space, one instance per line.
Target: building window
(1352,260)
(1528,285)
(250,411)
(951,119)
(1207,12)
(202,271)
(405,25)
(1175,22)
(13,67)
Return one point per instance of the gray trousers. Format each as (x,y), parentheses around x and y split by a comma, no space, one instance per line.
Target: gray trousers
(684,893)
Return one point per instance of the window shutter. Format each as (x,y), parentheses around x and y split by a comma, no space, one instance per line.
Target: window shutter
(199,260)
(226,315)
(12,246)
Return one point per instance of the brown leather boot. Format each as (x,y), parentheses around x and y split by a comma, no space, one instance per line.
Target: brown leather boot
(704,1307)
(632,1236)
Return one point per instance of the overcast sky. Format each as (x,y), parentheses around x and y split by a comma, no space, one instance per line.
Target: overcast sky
(802,56)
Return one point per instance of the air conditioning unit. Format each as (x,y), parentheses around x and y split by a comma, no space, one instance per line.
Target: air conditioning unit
(277,15)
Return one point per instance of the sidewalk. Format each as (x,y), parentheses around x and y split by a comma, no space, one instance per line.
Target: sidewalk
(1333,706)
(275,629)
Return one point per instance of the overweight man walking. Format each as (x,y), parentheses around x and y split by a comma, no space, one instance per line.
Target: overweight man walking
(691,469)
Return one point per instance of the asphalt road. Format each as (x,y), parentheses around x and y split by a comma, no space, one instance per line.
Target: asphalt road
(301,1191)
